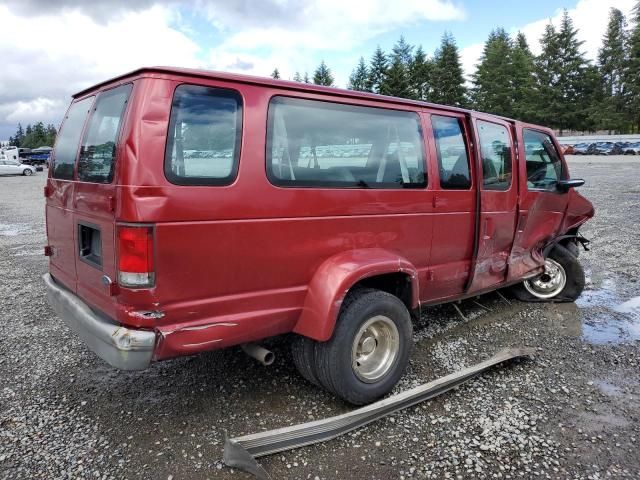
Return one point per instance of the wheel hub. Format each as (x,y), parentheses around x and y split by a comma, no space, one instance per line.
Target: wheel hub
(550,283)
(375,349)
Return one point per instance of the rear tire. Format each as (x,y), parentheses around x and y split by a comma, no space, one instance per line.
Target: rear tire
(562,281)
(370,347)
(303,353)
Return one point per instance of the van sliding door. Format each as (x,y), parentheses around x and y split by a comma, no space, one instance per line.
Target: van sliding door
(496,174)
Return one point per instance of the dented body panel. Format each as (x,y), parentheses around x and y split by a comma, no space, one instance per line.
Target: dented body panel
(249,260)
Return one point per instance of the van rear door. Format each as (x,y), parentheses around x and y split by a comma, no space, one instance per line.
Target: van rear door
(95,197)
(60,194)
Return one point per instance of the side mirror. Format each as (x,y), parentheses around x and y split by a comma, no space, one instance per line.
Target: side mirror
(565,185)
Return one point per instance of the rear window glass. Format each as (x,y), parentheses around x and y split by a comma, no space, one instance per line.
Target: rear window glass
(66,147)
(203,143)
(313,143)
(98,150)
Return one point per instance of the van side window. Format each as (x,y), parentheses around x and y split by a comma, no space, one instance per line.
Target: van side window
(96,163)
(320,144)
(453,162)
(544,166)
(203,143)
(66,149)
(495,148)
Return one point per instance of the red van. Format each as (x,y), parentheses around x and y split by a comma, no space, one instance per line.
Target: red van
(193,210)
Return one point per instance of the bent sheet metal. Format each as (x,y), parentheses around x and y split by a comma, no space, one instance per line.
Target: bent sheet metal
(240,452)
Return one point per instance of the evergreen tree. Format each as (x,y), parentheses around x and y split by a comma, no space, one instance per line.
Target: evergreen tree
(275,74)
(359,78)
(377,70)
(420,75)
(522,85)
(492,82)
(563,79)
(396,80)
(18,138)
(612,62)
(306,78)
(447,80)
(632,74)
(297,77)
(322,75)
(547,98)
(402,51)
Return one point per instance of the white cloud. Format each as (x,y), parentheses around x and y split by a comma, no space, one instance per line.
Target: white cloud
(80,43)
(71,51)
(314,27)
(589,16)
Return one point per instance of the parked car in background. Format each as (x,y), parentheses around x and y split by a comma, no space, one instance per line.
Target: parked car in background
(161,247)
(12,167)
(580,148)
(38,157)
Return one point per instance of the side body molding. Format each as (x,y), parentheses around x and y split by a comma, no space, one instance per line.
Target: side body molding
(336,276)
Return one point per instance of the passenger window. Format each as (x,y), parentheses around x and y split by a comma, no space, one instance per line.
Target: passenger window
(66,149)
(453,162)
(203,144)
(544,166)
(96,163)
(495,148)
(320,144)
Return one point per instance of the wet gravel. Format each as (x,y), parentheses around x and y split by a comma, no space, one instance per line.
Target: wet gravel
(573,412)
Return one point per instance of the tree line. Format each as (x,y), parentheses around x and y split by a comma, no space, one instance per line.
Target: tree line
(559,88)
(34,136)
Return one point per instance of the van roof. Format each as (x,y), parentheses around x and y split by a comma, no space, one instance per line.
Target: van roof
(250,79)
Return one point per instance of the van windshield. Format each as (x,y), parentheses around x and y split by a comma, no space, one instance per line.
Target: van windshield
(98,150)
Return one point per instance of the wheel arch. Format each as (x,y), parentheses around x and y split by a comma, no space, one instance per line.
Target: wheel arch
(341,273)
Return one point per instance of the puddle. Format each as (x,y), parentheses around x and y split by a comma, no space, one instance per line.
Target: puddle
(609,314)
(608,388)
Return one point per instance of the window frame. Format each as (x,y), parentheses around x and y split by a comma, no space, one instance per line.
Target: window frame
(168,145)
(85,131)
(512,147)
(555,147)
(341,185)
(464,131)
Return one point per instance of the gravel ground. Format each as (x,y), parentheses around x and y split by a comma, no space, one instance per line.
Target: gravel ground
(573,412)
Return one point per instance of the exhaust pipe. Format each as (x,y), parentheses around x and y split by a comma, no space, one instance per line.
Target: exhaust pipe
(261,354)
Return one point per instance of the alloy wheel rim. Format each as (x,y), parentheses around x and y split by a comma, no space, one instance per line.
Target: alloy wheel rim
(549,283)
(375,349)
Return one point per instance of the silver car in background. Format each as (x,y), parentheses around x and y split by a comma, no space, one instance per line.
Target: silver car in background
(12,167)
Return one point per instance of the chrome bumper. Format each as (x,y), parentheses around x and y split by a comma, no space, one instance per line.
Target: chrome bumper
(124,348)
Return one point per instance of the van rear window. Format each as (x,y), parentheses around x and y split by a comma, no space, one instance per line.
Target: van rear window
(66,149)
(203,142)
(98,150)
(320,144)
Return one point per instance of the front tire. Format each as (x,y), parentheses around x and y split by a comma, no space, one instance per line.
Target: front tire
(562,281)
(370,347)
(26,172)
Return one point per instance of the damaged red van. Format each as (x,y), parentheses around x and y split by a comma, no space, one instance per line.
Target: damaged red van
(193,210)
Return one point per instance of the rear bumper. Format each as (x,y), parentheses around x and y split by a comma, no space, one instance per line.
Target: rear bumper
(124,348)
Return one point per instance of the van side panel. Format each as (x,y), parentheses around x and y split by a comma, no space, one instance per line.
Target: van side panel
(245,253)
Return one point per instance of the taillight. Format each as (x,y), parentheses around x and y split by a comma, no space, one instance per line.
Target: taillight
(135,256)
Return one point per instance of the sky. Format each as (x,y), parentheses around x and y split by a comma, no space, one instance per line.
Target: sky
(50,49)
